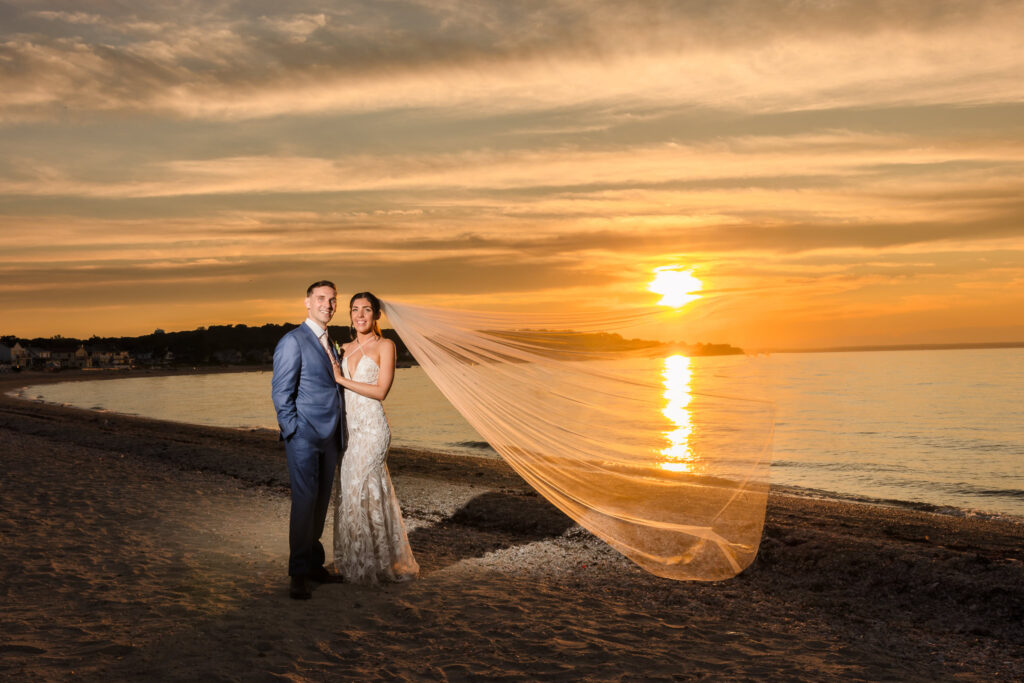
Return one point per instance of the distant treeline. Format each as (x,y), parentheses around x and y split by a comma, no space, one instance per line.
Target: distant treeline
(213,345)
(245,345)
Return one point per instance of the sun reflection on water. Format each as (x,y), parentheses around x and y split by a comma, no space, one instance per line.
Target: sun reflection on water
(679,456)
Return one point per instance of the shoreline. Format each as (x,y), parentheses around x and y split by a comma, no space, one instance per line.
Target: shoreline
(135,548)
(9,383)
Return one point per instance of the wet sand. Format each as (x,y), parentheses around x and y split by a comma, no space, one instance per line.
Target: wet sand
(139,549)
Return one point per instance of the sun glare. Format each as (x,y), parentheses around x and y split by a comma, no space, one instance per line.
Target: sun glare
(677,287)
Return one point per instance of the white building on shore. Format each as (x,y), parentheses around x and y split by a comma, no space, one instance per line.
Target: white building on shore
(16,356)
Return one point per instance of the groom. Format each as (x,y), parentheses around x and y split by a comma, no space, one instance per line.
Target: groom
(310,412)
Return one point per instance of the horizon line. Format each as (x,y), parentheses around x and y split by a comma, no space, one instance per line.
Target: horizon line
(898,347)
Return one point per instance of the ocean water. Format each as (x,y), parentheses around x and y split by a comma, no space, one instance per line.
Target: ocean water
(944,428)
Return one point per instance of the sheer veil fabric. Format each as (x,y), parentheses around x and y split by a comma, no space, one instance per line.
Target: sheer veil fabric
(678,484)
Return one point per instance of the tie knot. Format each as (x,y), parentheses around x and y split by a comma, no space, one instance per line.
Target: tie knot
(325,342)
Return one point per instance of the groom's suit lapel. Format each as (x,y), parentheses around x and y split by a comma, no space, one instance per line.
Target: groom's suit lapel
(312,339)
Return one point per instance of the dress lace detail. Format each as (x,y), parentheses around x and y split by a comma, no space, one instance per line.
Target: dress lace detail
(370,541)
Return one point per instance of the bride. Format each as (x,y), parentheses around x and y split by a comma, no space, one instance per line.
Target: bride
(370,541)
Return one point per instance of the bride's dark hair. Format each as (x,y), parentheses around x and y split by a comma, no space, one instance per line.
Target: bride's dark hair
(374,305)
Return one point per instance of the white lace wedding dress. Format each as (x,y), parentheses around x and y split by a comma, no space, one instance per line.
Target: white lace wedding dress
(370,541)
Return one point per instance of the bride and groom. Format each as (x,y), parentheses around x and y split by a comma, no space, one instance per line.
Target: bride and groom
(328,403)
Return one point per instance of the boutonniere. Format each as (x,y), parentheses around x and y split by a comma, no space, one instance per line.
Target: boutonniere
(337,348)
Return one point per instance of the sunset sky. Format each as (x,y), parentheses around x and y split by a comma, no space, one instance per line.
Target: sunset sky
(837,172)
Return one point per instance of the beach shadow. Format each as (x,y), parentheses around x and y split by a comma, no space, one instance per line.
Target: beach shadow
(491,521)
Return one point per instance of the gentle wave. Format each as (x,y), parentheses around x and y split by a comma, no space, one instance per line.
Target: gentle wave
(842,466)
(965,488)
(483,445)
(999,493)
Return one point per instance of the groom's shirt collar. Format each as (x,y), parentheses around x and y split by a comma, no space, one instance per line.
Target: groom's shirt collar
(317,330)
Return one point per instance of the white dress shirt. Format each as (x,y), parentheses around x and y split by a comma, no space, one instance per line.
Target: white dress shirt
(321,334)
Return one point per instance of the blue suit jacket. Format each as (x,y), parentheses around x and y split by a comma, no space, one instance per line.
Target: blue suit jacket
(307,399)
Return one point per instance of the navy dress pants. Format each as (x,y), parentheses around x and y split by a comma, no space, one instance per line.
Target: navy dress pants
(311,468)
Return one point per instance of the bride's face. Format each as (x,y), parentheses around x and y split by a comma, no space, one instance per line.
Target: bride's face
(362,315)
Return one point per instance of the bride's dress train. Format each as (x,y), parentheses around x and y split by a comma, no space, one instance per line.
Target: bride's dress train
(370,541)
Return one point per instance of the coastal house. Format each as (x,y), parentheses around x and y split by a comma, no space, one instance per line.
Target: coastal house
(62,359)
(78,358)
(265,356)
(228,356)
(21,356)
(102,356)
(153,358)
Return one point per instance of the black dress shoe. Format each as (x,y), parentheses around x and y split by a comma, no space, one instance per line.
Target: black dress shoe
(321,575)
(299,589)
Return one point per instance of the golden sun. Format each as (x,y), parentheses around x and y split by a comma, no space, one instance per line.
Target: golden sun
(677,286)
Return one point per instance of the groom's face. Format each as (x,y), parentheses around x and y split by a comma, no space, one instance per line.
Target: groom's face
(321,304)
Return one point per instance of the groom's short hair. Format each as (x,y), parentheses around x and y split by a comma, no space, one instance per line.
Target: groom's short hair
(320,283)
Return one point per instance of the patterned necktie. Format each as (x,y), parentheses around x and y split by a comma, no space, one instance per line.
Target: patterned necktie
(326,344)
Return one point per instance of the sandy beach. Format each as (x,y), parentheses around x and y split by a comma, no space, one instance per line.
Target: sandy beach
(146,550)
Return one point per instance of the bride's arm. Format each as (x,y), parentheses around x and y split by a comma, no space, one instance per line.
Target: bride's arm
(385,378)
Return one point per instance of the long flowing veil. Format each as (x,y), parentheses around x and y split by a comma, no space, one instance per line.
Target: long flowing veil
(607,429)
